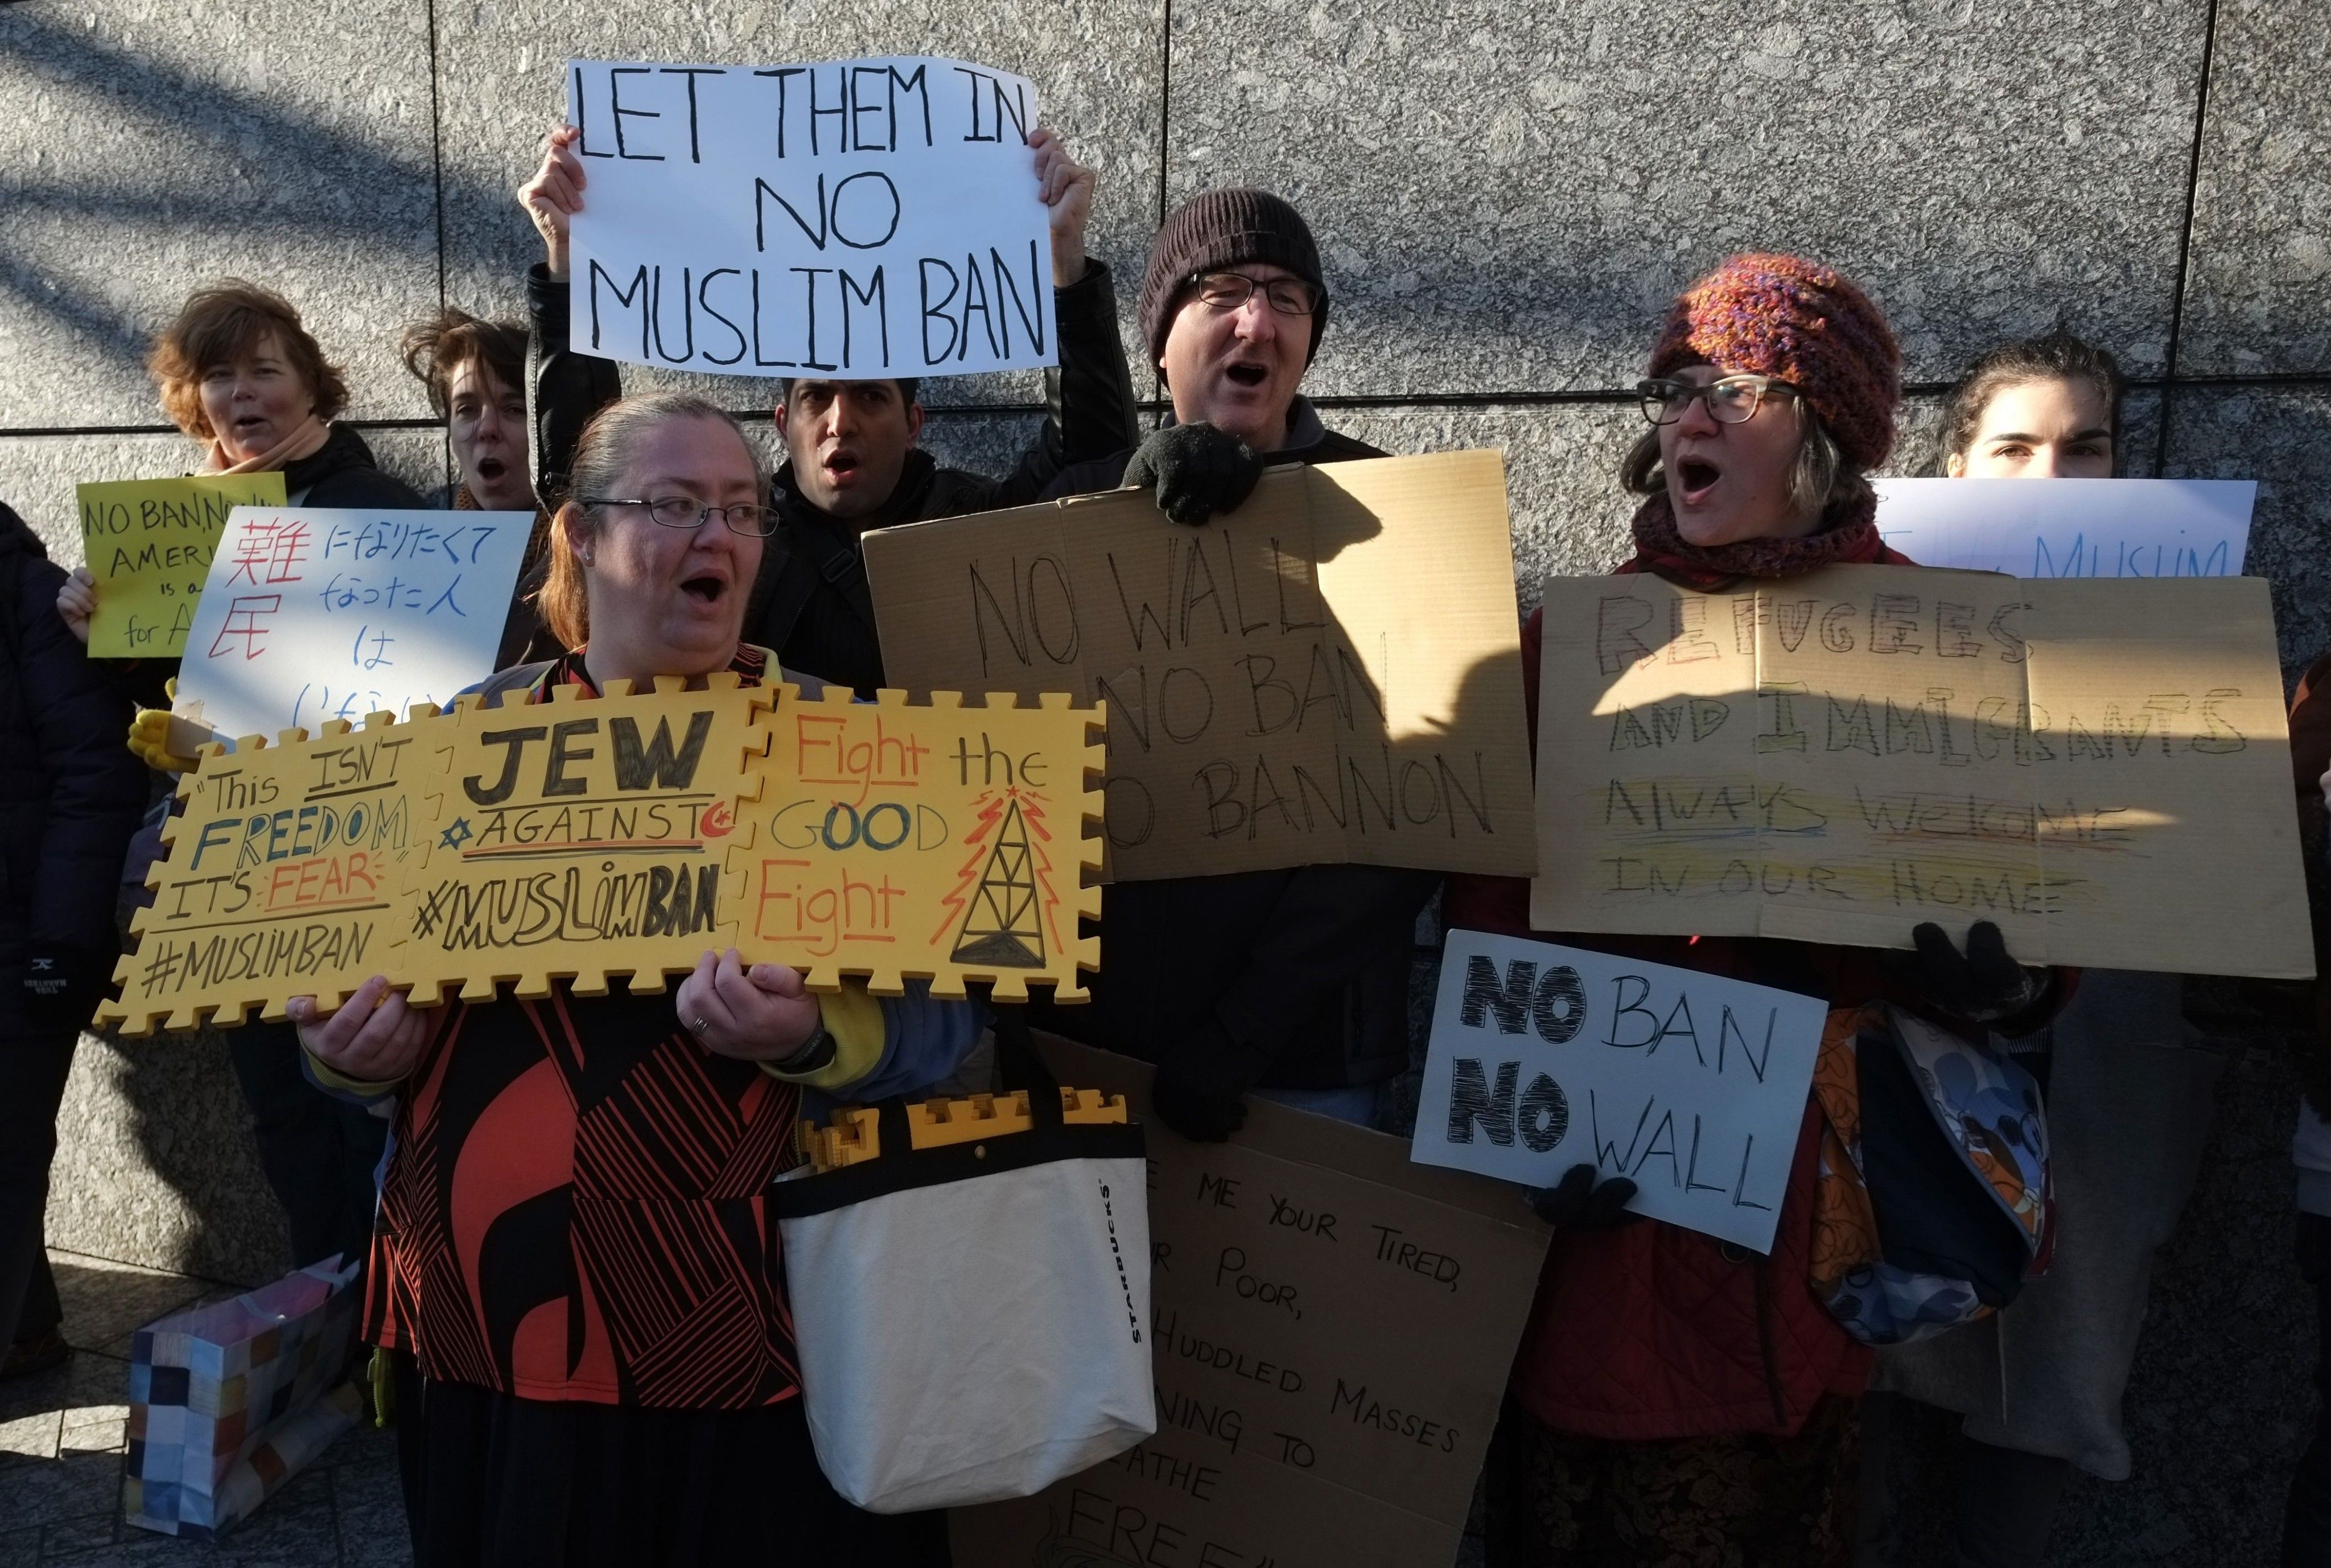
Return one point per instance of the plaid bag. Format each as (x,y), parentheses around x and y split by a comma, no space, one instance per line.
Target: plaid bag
(227,1402)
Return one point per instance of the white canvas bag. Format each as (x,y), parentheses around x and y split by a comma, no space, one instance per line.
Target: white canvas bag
(973,1319)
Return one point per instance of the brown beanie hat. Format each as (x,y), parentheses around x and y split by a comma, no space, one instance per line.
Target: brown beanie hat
(1218,229)
(1801,323)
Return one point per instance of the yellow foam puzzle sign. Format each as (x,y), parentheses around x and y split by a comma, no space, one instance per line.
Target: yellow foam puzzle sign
(939,841)
(149,544)
(581,837)
(627,834)
(284,878)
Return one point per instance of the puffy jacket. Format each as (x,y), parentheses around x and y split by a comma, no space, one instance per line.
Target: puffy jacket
(810,600)
(1303,973)
(70,794)
(1652,1331)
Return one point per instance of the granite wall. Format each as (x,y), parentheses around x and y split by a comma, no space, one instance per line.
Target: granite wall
(1507,195)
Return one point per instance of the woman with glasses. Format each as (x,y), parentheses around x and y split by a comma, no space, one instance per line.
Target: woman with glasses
(1678,1401)
(580,1294)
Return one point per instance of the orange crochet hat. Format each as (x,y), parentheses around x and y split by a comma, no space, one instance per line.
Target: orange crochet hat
(1804,323)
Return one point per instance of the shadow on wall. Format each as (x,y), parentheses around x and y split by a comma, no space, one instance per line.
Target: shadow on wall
(140,88)
(156,1164)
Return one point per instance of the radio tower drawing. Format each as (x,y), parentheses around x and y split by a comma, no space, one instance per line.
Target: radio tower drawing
(1003,925)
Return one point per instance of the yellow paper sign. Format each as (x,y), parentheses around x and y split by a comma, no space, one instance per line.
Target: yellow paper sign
(284,876)
(149,544)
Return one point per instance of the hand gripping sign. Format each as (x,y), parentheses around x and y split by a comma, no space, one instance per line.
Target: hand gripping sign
(626,834)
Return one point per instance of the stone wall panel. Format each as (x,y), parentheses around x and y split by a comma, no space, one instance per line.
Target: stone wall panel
(1507,198)
(151,146)
(2261,258)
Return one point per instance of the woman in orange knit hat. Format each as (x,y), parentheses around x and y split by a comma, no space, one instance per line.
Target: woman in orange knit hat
(1679,1400)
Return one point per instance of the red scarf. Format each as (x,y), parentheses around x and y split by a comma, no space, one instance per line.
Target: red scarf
(1851,538)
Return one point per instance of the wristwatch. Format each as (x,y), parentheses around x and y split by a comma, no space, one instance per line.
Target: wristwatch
(816,1053)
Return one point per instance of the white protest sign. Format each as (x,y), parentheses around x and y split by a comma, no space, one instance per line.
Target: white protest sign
(860,219)
(2071,528)
(321,612)
(1689,1085)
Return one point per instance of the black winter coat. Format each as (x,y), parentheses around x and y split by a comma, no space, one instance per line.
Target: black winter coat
(70,794)
(342,473)
(1300,975)
(810,601)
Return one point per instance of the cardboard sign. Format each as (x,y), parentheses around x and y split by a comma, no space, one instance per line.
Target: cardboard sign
(628,833)
(326,613)
(283,878)
(1690,1085)
(853,220)
(149,544)
(2101,767)
(1334,1327)
(1329,674)
(2071,528)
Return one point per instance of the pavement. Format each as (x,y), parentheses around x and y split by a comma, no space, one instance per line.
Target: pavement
(61,1443)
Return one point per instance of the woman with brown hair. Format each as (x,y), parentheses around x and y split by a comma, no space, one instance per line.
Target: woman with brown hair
(2131,1092)
(239,372)
(575,1273)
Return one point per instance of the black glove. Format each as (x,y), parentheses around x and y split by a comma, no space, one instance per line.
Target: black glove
(1196,472)
(1577,1203)
(1199,1082)
(63,984)
(1981,986)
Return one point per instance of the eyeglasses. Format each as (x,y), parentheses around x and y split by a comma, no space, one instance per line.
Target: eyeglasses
(1229,290)
(687,512)
(1731,400)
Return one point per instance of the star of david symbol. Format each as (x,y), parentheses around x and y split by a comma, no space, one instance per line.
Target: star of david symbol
(454,837)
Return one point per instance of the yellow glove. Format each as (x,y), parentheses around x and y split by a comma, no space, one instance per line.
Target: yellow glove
(149,736)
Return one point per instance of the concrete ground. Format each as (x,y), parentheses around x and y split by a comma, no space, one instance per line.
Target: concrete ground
(62,1444)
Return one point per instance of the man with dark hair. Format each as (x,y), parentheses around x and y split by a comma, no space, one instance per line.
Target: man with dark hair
(1295,980)
(852,461)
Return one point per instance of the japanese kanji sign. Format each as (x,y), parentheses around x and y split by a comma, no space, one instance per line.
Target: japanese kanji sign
(312,615)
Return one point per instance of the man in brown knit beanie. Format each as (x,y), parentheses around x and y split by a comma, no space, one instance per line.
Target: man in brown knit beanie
(1294,982)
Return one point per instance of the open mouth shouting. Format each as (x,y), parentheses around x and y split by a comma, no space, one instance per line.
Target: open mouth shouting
(1697,476)
(707,588)
(841,466)
(491,470)
(1249,374)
